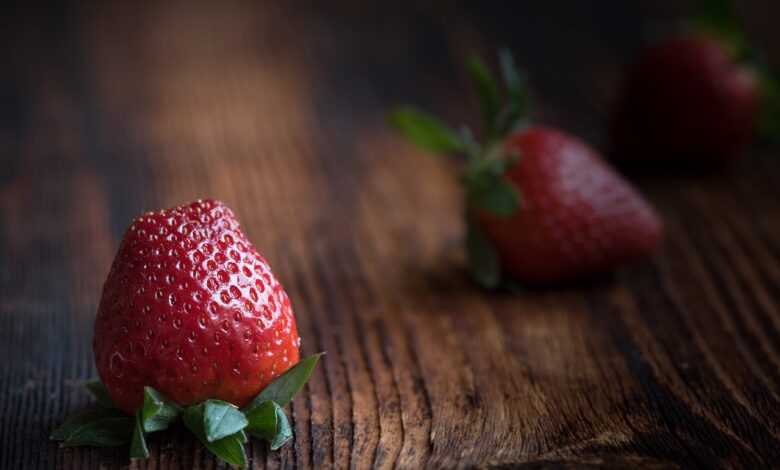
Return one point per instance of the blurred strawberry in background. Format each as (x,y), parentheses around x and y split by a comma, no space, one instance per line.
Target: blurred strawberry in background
(695,99)
(541,206)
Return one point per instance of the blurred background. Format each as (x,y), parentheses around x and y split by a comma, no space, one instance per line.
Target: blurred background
(141,105)
(354,58)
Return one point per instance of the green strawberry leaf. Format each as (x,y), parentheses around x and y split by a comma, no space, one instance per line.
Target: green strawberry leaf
(158,412)
(515,85)
(97,427)
(99,391)
(487,188)
(488,91)
(472,147)
(268,421)
(769,119)
(262,420)
(426,131)
(517,97)
(720,18)
(221,419)
(283,429)
(138,449)
(229,448)
(483,258)
(284,388)
(493,194)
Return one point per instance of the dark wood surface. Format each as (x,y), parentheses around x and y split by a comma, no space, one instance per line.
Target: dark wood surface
(110,109)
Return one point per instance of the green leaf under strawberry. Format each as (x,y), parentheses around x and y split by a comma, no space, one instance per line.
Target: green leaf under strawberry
(138,448)
(221,419)
(262,420)
(283,389)
(220,426)
(229,448)
(283,430)
(98,390)
(158,412)
(97,427)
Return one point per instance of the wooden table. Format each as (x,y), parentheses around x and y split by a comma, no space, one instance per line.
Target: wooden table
(278,109)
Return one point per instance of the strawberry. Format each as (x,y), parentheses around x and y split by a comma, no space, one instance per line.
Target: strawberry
(695,99)
(541,206)
(191,309)
(193,323)
(578,217)
(688,101)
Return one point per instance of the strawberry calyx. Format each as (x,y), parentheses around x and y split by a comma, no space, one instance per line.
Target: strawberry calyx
(221,427)
(483,164)
(718,19)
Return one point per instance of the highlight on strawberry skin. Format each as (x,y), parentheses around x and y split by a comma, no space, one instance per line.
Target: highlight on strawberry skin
(541,206)
(192,326)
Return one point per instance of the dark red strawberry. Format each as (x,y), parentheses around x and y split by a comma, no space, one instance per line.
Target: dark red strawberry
(191,309)
(687,101)
(541,206)
(698,98)
(577,217)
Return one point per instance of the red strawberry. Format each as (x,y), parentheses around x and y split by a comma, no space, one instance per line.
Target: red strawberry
(687,101)
(191,309)
(558,213)
(577,217)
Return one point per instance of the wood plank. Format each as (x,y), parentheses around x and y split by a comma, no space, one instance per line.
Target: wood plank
(278,109)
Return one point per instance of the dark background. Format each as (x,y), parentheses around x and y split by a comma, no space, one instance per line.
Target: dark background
(108,109)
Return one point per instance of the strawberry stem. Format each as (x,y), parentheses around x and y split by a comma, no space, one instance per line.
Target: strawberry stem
(483,176)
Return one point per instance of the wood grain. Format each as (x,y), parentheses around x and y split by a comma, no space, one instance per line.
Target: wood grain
(277,108)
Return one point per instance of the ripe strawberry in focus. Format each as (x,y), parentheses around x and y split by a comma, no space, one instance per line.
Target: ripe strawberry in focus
(541,207)
(687,101)
(191,309)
